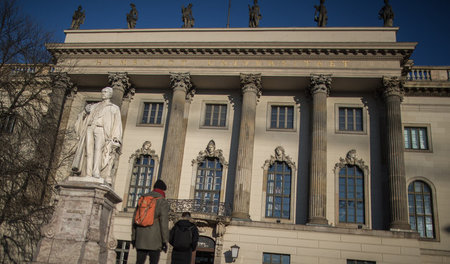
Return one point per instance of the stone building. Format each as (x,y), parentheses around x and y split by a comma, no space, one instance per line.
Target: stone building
(307,145)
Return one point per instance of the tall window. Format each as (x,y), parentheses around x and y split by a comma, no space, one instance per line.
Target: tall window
(350,119)
(152,113)
(7,123)
(282,117)
(420,209)
(122,250)
(416,138)
(278,194)
(273,258)
(208,185)
(141,178)
(351,195)
(215,115)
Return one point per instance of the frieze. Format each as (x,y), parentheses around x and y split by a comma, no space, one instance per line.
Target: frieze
(426,91)
(210,152)
(280,156)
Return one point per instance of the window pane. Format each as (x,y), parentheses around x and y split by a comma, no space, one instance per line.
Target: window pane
(414,138)
(358,119)
(290,117)
(406,136)
(423,138)
(282,117)
(273,117)
(350,119)
(341,118)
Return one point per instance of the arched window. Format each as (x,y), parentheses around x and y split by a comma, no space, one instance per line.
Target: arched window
(209,178)
(421,209)
(278,195)
(352,191)
(351,195)
(143,173)
(279,185)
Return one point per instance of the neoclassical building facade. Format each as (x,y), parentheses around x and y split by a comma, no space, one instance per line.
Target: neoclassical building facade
(299,145)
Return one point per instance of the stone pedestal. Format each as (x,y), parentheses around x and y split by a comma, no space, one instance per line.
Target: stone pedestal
(80,230)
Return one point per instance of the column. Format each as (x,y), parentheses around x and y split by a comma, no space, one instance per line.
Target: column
(393,96)
(69,90)
(123,93)
(320,88)
(251,90)
(176,133)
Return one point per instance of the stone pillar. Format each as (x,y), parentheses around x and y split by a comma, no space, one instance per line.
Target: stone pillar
(80,230)
(393,96)
(176,134)
(70,90)
(320,88)
(251,90)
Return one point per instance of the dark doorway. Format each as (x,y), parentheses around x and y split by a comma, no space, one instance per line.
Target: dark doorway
(204,257)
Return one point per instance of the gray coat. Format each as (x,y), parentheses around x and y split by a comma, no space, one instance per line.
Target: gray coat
(152,237)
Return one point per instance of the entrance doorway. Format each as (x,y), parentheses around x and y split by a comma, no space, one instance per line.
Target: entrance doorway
(204,257)
(205,251)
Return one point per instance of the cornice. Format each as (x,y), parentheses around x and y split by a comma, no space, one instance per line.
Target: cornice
(427,91)
(290,50)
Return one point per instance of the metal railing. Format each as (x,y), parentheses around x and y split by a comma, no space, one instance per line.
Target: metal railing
(199,206)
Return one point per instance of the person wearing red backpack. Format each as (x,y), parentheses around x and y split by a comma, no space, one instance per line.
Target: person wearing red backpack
(151,239)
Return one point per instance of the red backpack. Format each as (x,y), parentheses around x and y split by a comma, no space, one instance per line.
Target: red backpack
(145,212)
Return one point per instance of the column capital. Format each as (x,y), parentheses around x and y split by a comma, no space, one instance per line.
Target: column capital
(320,83)
(121,81)
(182,81)
(62,80)
(251,83)
(392,86)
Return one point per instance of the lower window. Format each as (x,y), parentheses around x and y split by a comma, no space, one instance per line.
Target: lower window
(273,258)
(122,250)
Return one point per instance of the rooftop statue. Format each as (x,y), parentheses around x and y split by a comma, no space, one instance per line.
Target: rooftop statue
(188,19)
(255,16)
(322,18)
(387,14)
(99,133)
(78,18)
(132,17)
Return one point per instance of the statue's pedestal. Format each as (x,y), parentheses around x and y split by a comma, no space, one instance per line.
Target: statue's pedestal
(80,230)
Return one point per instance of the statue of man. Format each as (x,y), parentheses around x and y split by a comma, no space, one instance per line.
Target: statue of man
(78,18)
(387,14)
(188,19)
(254,14)
(99,131)
(322,18)
(132,17)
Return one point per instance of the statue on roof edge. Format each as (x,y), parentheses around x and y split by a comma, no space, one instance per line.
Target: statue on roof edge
(387,14)
(132,17)
(322,17)
(77,18)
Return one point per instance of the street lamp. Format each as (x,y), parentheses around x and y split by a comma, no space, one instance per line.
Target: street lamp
(234,252)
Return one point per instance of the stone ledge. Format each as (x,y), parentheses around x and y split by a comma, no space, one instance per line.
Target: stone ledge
(329,229)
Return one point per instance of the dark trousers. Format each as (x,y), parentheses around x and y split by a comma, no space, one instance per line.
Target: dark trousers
(152,254)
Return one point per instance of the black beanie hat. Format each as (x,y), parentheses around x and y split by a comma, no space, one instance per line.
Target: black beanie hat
(159,184)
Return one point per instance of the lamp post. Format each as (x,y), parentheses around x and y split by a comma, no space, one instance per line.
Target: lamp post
(234,252)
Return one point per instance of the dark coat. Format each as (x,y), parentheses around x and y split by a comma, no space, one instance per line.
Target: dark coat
(152,237)
(184,257)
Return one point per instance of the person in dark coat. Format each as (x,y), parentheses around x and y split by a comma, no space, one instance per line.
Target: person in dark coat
(183,255)
(150,240)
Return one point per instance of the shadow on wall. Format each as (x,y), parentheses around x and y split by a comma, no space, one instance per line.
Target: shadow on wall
(228,258)
(447,229)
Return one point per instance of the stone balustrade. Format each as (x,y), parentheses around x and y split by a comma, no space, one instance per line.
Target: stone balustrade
(429,73)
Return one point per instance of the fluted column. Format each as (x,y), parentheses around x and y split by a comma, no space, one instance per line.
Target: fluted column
(251,89)
(320,88)
(176,134)
(393,96)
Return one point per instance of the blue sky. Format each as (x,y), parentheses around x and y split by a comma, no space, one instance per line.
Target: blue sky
(425,22)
